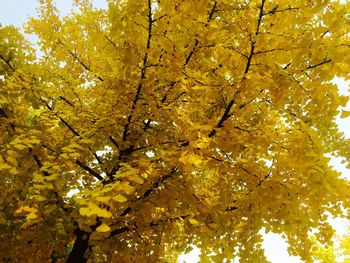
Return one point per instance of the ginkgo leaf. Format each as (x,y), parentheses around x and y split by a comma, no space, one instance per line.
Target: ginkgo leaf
(20,146)
(192,159)
(103,213)
(31,216)
(4,166)
(135,178)
(74,154)
(11,160)
(240,224)
(33,141)
(343,100)
(26,209)
(120,198)
(77,146)
(103,228)
(193,221)
(39,198)
(51,177)
(93,209)
(344,114)
(13,170)
(172,124)
(128,189)
(103,199)
(84,211)
(201,143)
(87,141)
(65,156)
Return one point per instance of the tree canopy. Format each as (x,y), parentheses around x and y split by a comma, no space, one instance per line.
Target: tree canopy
(151,126)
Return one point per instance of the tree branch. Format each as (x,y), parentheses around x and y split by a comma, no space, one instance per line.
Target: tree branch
(79,60)
(7,63)
(118,231)
(151,190)
(319,64)
(143,73)
(89,170)
(247,67)
(226,113)
(196,43)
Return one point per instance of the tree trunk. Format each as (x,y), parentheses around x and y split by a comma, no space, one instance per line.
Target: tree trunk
(81,245)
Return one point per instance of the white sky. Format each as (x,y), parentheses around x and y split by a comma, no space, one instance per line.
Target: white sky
(16,12)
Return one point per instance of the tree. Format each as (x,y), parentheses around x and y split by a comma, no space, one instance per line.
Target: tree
(338,252)
(175,123)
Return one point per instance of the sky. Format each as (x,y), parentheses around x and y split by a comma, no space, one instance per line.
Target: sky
(16,12)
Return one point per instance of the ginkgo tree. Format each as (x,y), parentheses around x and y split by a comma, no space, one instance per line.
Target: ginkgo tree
(174,123)
(338,252)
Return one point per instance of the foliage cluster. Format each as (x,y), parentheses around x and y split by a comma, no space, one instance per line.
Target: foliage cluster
(176,123)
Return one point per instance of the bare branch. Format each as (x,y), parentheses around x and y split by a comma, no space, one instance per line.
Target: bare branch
(276,10)
(143,73)
(86,67)
(268,51)
(196,43)
(88,169)
(319,64)
(7,63)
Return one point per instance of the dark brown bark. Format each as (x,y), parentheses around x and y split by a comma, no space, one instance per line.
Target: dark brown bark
(81,245)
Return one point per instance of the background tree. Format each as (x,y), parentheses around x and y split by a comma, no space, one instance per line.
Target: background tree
(338,252)
(176,123)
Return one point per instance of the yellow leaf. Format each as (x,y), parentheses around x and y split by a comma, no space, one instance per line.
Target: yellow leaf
(193,221)
(88,141)
(120,198)
(75,145)
(44,186)
(104,213)
(192,159)
(128,189)
(33,141)
(31,216)
(13,170)
(93,209)
(4,166)
(202,142)
(199,87)
(20,146)
(240,224)
(343,100)
(75,154)
(51,177)
(344,114)
(39,198)
(103,199)
(12,153)
(26,209)
(12,160)
(64,155)
(84,211)
(137,179)
(103,228)
(27,224)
